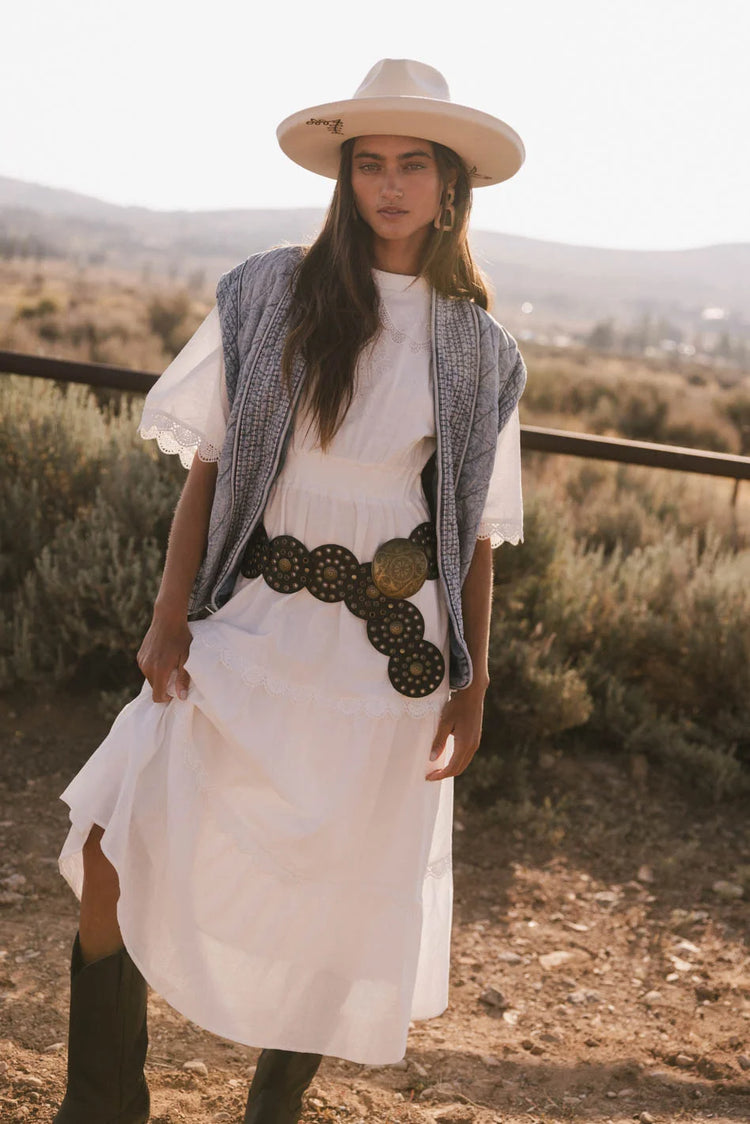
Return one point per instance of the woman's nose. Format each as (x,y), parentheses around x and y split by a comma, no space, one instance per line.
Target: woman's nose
(391,188)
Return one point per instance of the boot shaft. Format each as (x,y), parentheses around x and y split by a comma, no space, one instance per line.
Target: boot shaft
(281,1077)
(107,1042)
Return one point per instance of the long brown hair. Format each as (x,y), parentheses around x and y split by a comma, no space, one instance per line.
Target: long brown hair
(336,307)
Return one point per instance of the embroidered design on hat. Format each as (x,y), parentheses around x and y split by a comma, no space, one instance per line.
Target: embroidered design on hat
(334,125)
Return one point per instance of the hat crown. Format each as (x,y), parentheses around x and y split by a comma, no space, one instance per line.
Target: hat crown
(391,78)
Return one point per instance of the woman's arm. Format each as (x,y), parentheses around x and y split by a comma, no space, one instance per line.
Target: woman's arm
(167,643)
(462,714)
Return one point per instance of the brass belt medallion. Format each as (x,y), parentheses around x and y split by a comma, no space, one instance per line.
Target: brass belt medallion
(399,568)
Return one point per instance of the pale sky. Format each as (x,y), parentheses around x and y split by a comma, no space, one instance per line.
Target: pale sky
(634,113)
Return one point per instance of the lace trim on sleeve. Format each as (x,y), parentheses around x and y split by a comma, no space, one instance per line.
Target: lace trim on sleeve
(500,531)
(173,436)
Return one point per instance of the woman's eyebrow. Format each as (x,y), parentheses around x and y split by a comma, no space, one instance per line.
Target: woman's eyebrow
(401,156)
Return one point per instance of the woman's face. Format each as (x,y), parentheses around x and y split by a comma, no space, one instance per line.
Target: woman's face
(397,187)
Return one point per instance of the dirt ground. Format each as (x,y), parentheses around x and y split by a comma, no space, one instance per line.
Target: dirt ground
(600,967)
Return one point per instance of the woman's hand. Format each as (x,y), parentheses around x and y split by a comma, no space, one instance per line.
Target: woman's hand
(165,647)
(462,717)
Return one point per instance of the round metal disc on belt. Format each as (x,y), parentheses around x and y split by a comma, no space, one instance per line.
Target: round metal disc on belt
(426,536)
(333,571)
(288,564)
(399,567)
(397,630)
(363,598)
(417,672)
(256,553)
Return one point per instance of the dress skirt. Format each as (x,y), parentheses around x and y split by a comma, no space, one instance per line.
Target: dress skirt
(285,869)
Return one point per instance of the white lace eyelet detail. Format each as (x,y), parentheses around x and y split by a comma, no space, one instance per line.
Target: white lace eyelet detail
(500,531)
(400,337)
(440,867)
(254,675)
(172,436)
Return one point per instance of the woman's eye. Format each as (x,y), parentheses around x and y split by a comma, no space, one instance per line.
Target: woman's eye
(414,167)
(368,167)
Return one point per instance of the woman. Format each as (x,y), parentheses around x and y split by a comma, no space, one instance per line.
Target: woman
(264,849)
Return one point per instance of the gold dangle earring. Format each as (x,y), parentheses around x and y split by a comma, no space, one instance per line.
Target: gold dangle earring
(445,218)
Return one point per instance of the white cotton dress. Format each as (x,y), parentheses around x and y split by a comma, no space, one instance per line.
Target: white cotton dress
(284,864)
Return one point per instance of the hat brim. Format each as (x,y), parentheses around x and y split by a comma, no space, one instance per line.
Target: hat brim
(491,150)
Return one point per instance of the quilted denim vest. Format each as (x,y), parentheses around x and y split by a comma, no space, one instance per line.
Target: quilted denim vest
(478,377)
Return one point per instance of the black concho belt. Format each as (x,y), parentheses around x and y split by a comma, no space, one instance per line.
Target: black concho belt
(374,591)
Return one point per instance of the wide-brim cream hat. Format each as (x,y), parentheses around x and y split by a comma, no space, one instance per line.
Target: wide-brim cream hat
(401,97)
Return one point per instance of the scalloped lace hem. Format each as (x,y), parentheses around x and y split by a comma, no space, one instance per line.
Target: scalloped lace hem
(500,532)
(254,675)
(173,436)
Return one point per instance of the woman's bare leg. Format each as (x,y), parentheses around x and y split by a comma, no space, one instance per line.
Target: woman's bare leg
(98,930)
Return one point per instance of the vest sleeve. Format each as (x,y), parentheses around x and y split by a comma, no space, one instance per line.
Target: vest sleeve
(502,517)
(186,409)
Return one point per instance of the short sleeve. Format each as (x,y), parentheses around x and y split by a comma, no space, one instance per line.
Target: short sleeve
(502,517)
(186,409)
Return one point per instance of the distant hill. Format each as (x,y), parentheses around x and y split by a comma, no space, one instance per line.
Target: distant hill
(570,287)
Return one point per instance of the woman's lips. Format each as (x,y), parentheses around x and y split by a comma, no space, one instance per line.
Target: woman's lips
(391,212)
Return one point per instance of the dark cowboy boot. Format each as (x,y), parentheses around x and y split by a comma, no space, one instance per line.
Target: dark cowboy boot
(107,1041)
(280,1079)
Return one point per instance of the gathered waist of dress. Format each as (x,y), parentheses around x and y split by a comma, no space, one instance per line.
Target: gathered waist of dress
(313,471)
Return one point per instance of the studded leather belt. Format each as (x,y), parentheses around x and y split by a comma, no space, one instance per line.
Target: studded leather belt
(374,591)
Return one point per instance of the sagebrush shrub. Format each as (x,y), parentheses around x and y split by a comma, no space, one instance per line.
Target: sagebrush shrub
(84,608)
(644,646)
(87,507)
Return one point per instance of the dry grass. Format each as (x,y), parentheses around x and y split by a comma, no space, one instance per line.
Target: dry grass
(93,313)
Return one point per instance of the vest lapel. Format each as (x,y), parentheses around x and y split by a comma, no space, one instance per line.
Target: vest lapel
(456,358)
(264,413)
(262,429)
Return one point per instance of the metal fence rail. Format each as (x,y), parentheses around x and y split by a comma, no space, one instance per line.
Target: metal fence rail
(634,452)
(65,370)
(533,437)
